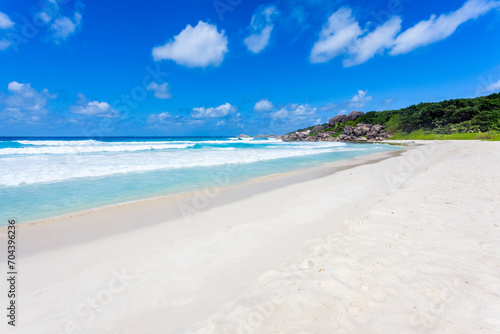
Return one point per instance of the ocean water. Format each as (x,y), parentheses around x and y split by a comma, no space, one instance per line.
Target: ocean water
(47,177)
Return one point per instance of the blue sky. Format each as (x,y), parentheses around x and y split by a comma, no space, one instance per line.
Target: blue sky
(225,67)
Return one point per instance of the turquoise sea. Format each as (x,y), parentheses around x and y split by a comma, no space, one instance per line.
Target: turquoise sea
(47,177)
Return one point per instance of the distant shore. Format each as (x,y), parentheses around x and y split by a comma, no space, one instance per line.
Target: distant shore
(401,241)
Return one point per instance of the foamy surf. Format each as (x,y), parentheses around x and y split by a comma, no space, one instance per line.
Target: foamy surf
(43,177)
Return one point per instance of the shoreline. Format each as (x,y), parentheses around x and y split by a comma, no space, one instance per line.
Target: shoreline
(97,228)
(288,174)
(90,210)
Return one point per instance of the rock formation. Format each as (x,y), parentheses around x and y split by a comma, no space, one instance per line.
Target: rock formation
(353,115)
(360,133)
(336,119)
(343,118)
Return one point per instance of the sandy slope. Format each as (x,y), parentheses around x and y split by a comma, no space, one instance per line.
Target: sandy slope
(407,244)
(425,258)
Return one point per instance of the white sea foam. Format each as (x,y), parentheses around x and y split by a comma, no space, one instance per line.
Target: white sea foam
(59,160)
(58,142)
(44,178)
(41,168)
(73,149)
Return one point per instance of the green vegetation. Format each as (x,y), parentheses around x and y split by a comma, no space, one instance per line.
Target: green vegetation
(477,118)
(459,119)
(424,135)
(335,135)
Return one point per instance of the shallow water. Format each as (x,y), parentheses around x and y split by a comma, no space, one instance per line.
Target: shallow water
(47,177)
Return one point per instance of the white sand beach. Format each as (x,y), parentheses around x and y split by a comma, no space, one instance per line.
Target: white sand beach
(393,243)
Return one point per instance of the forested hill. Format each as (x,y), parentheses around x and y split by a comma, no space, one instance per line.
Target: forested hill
(459,117)
(479,114)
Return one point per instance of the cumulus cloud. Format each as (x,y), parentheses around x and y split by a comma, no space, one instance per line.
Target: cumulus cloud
(44,17)
(261,26)
(360,100)
(63,27)
(5,21)
(294,111)
(4,44)
(95,108)
(263,105)
(24,103)
(494,87)
(439,28)
(198,46)
(59,26)
(329,107)
(342,34)
(337,35)
(161,90)
(388,102)
(220,111)
(164,117)
(377,41)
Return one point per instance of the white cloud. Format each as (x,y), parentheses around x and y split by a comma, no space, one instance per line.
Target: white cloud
(220,111)
(360,100)
(160,118)
(494,87)
(303,109)
(337,35)
(51,9)
(329,107)
(23,102)
(261,27)
(342,35)
(60,27)
(389,101)
(63,27)
(95,108)
(44,17)
(81,98)
(4,44)
(377,41)
(161,90)
(294,111)
(263,105)
(199,46)
(439,28)
(5,21)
